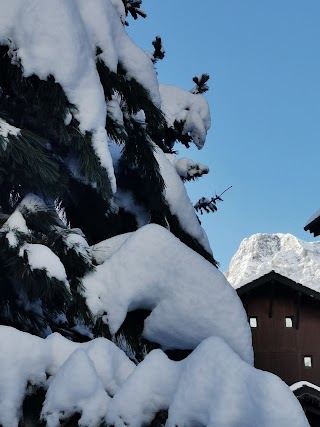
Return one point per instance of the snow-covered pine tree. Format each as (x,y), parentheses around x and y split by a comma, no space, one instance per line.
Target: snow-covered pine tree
(102,256)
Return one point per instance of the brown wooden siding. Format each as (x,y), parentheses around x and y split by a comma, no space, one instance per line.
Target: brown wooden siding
(279,349)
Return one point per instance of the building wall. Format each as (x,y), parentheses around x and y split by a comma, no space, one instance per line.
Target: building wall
(279,349)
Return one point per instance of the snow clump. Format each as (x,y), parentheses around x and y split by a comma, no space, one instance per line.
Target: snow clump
(189,299)
(180,105)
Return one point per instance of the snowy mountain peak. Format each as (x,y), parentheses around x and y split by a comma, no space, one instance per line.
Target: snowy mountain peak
(284,253)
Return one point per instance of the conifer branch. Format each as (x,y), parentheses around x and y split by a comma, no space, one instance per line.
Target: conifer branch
(201,84)
(159,52)
(133,7)
(209,205)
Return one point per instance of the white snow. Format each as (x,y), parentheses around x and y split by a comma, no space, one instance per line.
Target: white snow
(190,299)
(179,104)
(28,359)
(23,360)
(149,388)
(114,110)
(285,254)
(15,223)
(119,6)
(186,167)
(76,388)
(125,200)
(105,249)
(38,48)
(178,200)
(79,244)
(217,388)
(41,257)
(32,202)
(105,29)
(100,146)
(5,130)
(111,364)
(68,118)
(211,387)
(12,239)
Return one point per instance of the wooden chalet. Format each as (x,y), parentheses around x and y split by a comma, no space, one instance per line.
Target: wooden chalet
(285,321)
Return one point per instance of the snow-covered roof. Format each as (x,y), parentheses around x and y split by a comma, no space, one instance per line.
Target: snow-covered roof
(300,384)
(307,392)
(314,216)
(277,278)
(282,253)
(313,223)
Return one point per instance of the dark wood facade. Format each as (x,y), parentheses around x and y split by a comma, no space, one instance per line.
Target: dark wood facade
(285,318)
(280,344)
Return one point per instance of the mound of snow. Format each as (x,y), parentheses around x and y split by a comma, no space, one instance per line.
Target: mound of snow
(217,388)
(283,253)
(41,257)
(189,299)
(212,387)
(28,360)
(76,388)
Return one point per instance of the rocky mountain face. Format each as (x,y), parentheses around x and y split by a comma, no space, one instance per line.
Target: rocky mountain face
(285,254)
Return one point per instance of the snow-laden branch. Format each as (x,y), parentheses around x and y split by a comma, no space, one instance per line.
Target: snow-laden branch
(192,110)
(186,168)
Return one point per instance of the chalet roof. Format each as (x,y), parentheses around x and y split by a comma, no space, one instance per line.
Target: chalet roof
(306,392)
(313,224)
(274,277)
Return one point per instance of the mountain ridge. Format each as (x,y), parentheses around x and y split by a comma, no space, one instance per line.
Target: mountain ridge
(283,253)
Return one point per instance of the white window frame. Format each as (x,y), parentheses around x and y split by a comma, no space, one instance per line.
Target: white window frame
(307,362)
(288,321)
(253,322)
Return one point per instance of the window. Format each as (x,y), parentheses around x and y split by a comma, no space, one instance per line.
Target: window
(253,321)
(289,322)
(307,361)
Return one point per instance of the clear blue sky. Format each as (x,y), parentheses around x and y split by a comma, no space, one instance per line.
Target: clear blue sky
(264,61)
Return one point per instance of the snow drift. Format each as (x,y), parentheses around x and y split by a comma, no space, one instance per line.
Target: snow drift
(213,386)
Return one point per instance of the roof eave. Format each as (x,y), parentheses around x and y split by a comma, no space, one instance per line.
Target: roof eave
(272,275)
(314,227)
